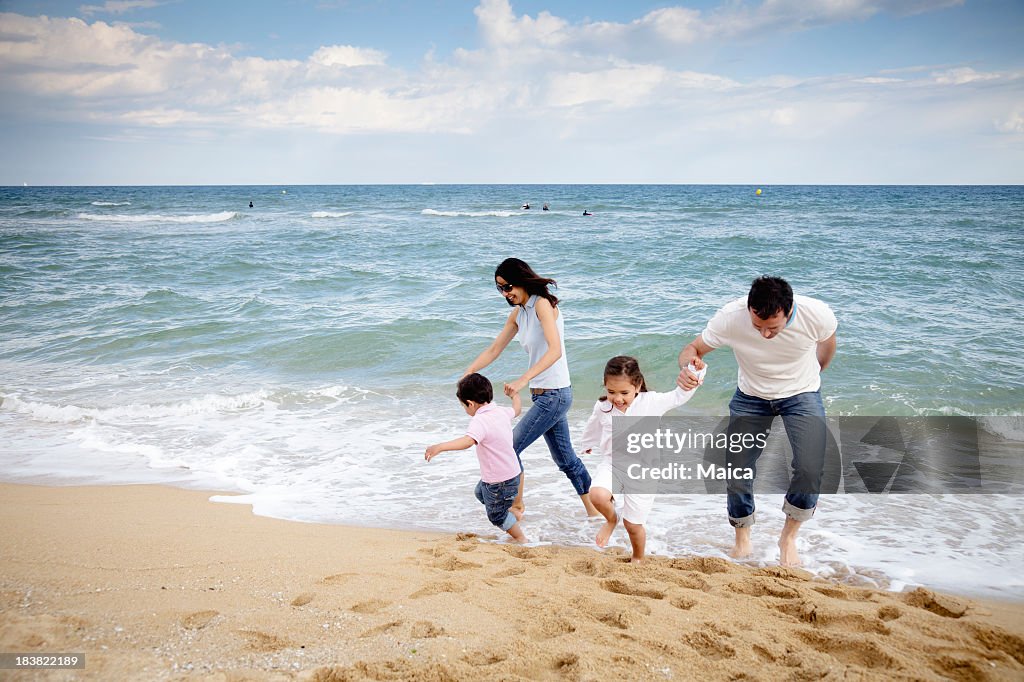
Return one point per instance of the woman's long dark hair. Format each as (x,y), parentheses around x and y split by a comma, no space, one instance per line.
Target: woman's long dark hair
(519,274)
(624,366)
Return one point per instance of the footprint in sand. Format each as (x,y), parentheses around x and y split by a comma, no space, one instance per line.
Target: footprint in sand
(302,599)
(939,604)
(850,650)
(454,563)
(262,641)
(370,606)
(509,572)
(438,588)
(709,645)
(424,629)
(198,620)
(381,629)
(482,658)
(337,579)
(620,587)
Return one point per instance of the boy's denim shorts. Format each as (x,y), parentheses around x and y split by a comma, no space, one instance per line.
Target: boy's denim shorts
(497,499)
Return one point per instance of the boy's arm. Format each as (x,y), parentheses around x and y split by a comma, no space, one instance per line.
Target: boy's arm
(457,444)
(517,402)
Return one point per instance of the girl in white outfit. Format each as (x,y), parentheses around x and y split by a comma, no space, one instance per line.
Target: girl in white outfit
(626,394)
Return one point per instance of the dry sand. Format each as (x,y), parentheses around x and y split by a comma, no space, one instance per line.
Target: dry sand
(155,583)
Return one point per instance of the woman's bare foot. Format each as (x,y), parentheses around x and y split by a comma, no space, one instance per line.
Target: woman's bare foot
(605,533)
(518,513)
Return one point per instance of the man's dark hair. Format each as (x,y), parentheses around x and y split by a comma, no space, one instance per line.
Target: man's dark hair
(769,296)
(475,387)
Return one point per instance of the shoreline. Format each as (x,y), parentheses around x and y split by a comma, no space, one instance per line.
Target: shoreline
(155,582)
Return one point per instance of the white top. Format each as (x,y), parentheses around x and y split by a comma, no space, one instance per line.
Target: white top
(598,431)
(531,336)
(779,367)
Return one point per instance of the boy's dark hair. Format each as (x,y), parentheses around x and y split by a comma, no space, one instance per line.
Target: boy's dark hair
(475,387)
(519,274)
(769,296)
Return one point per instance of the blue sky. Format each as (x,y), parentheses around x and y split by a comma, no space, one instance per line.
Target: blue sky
(382,91)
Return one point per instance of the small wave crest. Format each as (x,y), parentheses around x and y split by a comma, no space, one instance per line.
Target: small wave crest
(206,404)
(111,203)
(158,218)
(1009,427)
(330,214)
(470,214)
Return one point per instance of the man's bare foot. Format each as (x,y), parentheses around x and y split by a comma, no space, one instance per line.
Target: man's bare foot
(788,555)
(605,534)
(742,548)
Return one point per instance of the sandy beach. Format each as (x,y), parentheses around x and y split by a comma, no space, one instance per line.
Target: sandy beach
(159,583)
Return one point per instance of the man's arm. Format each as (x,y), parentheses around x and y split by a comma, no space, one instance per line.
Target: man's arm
(695,351)
(826,351)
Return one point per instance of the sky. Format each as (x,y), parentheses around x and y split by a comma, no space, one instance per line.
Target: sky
(182,92)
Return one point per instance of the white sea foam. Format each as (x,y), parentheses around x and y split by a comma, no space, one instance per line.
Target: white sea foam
(159,218)
(111,203)
(470,214)
(330,214)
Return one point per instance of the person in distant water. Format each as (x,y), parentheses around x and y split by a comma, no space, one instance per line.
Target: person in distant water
(490,430)
(586,212)
(250,204)
(536,318)
(625,394)
(544,207)
(782,344)
(526,207)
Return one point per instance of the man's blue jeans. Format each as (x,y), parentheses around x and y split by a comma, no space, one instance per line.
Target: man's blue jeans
(547,418)
(804,418)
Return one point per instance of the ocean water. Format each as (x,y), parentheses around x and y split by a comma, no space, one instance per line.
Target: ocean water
(304,352)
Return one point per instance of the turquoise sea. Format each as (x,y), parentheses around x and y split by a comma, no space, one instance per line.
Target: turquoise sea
(304,351)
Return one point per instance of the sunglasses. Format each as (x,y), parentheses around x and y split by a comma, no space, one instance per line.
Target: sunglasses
(503,288)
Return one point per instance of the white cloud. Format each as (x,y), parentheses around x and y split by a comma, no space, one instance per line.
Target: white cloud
(118,6)
(347,55)
(1012,124)
(963,75)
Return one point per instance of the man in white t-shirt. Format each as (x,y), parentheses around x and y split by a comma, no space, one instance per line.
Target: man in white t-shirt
(782,344)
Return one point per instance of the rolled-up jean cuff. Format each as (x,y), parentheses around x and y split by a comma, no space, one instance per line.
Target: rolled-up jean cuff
(796,513)
(510,520)
(745,522)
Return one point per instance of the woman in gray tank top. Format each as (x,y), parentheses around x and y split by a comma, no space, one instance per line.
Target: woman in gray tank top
(537,321)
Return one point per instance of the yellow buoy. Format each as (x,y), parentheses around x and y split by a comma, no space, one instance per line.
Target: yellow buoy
(758,192)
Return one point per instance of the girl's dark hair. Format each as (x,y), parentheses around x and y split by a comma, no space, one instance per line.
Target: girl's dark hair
(475,387)
(519,274)
(625,366)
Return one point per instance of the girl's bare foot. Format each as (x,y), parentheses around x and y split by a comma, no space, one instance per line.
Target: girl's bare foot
(605,533)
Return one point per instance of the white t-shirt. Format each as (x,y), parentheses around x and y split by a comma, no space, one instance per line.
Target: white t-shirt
(779,367)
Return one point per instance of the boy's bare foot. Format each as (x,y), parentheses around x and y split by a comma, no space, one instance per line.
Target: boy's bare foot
(742,548)
(605,533)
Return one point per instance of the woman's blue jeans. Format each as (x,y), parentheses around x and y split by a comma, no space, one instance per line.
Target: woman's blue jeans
(804,418)
(547,418)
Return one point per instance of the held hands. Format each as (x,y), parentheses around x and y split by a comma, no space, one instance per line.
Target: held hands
(688,379)
(515,387)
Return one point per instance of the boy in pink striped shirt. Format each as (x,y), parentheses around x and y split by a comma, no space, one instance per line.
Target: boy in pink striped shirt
(490,430)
